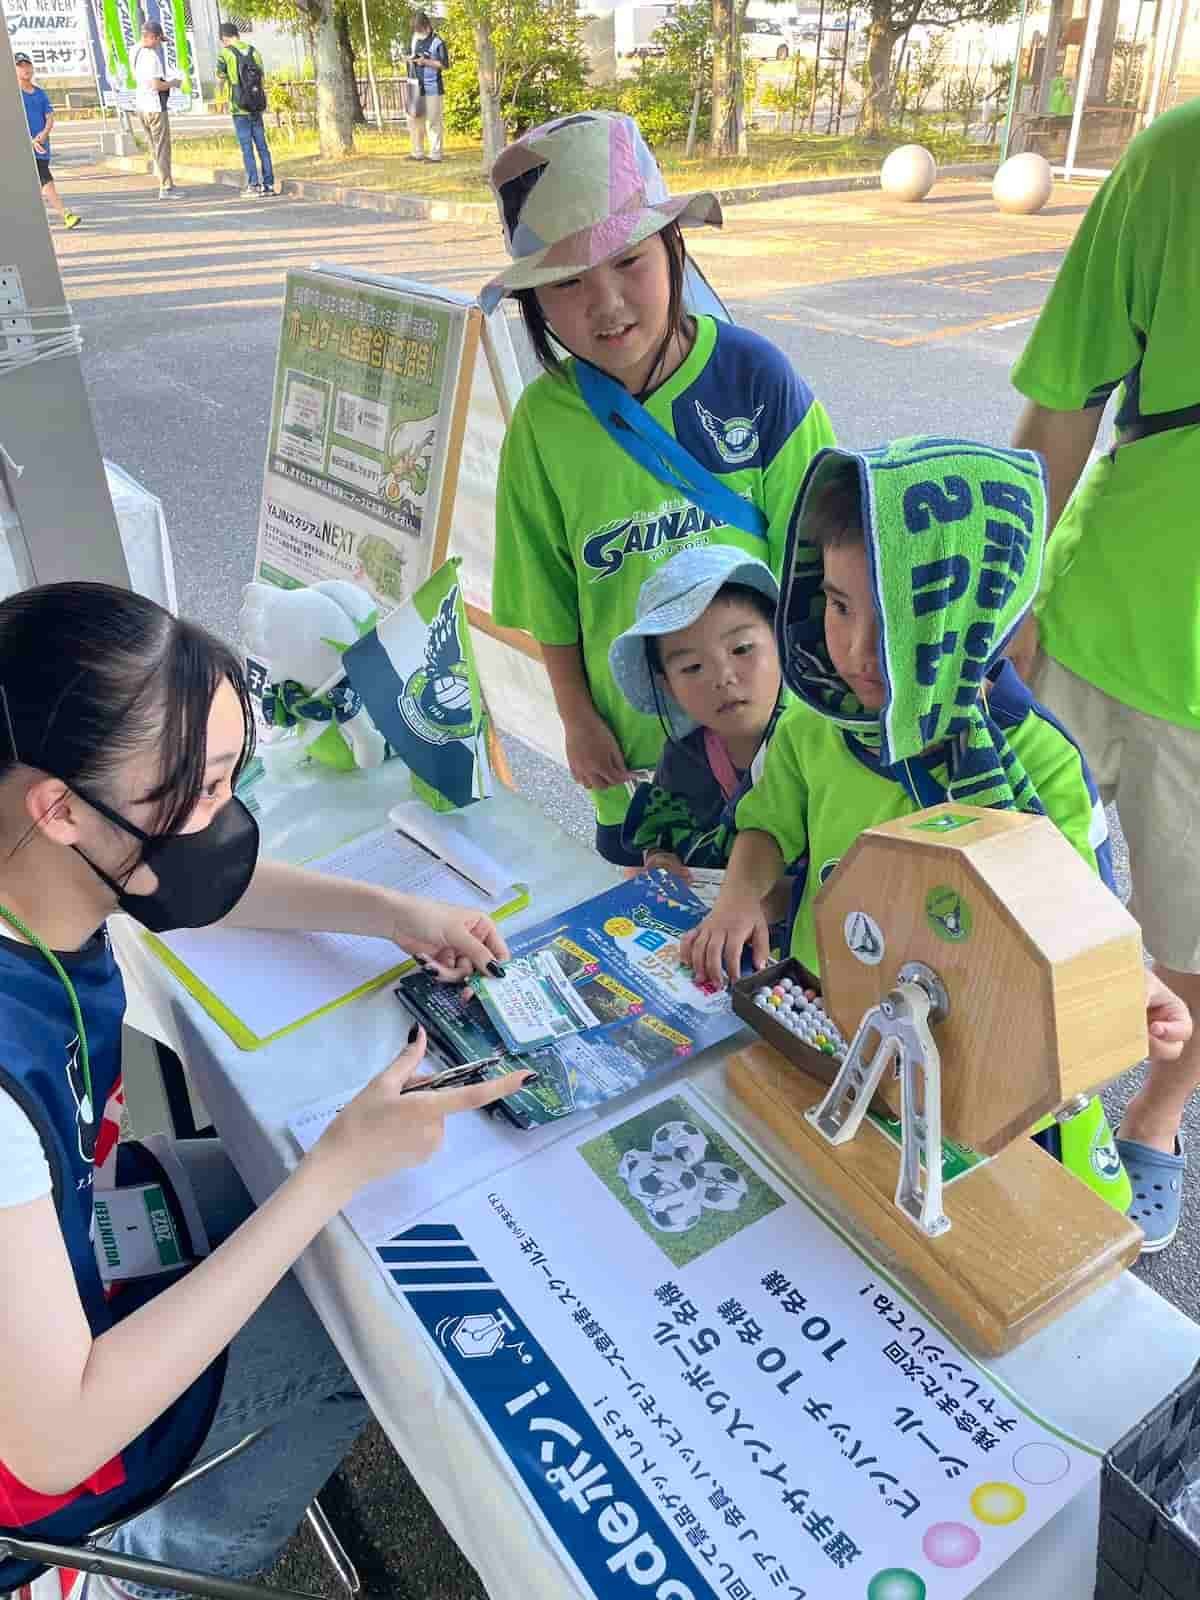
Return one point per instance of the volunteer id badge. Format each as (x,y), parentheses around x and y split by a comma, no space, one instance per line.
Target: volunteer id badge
(134,1234)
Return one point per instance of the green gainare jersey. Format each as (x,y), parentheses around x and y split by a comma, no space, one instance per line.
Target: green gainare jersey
(580,525)
(1120,601)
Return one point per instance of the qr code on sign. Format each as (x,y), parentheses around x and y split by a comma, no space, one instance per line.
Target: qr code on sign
(347,414)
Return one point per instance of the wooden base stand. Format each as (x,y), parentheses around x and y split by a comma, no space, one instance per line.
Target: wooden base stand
(1027,1240)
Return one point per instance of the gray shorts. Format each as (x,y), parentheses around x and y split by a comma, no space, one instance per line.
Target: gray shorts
(1150,769)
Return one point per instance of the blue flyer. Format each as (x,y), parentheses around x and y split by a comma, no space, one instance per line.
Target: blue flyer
(616,959)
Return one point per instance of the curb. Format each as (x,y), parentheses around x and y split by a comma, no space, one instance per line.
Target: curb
(415,208)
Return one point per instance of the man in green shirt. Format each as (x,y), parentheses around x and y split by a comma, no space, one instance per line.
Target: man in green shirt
(1115,648)
(240,65)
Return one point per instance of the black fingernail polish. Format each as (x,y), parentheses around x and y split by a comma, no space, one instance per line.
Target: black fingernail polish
(413,1032)
(529,1078)
(496,970)
(422,961)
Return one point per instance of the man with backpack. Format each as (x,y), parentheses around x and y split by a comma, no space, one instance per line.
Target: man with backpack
(241,67)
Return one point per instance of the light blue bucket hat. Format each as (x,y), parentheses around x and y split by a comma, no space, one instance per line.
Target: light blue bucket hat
(672,598)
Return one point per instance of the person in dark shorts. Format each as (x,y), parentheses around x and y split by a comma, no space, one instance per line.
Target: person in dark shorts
(39,115)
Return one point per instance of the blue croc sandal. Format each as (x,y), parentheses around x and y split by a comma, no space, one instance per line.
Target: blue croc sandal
(1157,1180)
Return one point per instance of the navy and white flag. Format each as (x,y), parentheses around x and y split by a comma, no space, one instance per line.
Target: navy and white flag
(416,674)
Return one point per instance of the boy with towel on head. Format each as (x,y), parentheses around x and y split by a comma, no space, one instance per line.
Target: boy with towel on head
(907,570)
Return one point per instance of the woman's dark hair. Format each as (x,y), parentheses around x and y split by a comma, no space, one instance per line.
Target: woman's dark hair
(93,675)
(833,517)
(755,598)
(546,346)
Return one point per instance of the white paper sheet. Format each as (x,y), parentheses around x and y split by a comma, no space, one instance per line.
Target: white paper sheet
(476,1147)
(439,832)
(720,1370)
(270,980)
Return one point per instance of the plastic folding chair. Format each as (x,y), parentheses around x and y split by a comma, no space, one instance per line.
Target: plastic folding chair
(51,1558)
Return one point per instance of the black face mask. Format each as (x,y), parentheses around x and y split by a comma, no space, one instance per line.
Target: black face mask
(201,876)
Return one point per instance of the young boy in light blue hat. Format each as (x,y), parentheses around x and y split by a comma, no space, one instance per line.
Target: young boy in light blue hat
(701,658)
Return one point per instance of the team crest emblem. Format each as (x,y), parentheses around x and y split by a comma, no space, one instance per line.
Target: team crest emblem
(436,700)
(736,439)
(1106,1159)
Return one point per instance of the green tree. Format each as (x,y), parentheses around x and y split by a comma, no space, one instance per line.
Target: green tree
(687,42)
(728,135)
(917,79)
(514,63)
(889,21)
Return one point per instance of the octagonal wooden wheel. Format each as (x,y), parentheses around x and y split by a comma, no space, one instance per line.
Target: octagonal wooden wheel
(1041,963)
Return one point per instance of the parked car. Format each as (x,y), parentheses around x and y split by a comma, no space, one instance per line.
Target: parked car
(764,40)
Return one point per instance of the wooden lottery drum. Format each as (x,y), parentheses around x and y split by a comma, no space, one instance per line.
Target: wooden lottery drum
(1040,963)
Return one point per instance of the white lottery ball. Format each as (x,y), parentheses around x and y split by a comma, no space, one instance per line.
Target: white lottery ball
(681,1141)
(908,173)
(1023,184)
(722,1188)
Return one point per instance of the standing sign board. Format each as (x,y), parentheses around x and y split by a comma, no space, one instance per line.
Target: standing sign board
(118,25)
(371,387)
(53,34)
(384,444)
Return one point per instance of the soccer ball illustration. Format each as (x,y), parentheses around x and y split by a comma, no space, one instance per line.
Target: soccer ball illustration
(678,1211)
(681,1141)
(631,1160)
(722,1188)
(654,1180)
(446,699)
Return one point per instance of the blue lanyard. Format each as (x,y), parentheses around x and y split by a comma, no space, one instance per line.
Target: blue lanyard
(630,425)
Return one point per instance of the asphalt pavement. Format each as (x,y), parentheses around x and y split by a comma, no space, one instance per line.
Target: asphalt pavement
(902,318)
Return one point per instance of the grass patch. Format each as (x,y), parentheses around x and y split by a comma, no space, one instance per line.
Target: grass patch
(380,161)
(712,1228)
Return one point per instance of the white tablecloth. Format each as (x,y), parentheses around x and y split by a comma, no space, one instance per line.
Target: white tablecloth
(1095,1372)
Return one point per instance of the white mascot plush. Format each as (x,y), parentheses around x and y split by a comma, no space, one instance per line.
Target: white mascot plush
(301,634)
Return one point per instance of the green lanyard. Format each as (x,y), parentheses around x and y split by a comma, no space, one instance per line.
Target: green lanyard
(44,949)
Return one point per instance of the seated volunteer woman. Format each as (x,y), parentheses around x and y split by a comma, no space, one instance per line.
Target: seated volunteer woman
(122,734)
(665,430)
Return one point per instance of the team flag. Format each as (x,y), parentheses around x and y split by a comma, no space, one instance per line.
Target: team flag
(416,674)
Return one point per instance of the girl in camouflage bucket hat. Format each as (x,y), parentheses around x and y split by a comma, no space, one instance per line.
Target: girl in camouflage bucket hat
(601,275)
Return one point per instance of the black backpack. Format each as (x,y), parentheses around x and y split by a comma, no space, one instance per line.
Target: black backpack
(248,92)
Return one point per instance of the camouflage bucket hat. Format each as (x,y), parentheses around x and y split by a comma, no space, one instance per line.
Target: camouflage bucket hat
(576,192)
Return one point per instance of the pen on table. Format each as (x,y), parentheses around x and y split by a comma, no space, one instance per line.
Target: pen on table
(457,1077)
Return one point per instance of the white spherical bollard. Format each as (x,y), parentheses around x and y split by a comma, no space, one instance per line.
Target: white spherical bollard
(1023,184)
(908,173)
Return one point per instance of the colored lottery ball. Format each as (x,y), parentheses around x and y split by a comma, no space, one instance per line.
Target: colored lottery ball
(951,1544)
(998,1504)
(896,1583)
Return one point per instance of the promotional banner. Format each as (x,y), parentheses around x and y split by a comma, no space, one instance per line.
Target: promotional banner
(119,27)
(365,385)
(53,34)
(704,1392)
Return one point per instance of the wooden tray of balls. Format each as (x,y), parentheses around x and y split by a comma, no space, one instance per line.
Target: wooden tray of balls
(812,1061)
